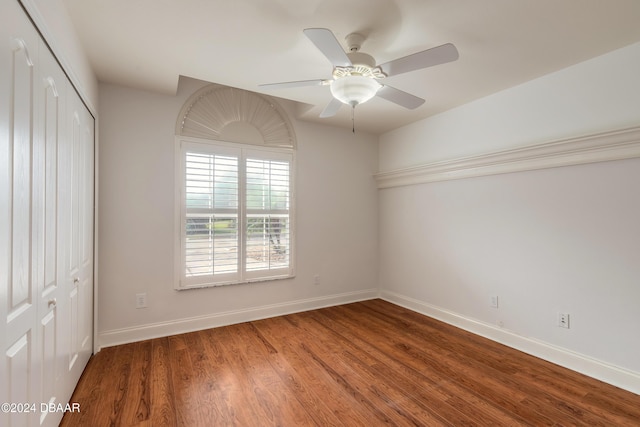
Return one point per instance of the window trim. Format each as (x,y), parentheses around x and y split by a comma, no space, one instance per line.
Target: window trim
(181,282)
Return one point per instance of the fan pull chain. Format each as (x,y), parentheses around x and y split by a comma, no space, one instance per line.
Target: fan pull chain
(353,119)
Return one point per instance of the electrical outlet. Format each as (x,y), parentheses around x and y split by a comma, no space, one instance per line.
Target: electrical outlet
(494,301)
(141,300)
(563,320)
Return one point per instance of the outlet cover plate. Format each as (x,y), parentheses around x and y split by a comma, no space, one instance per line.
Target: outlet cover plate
(494,301)
(563,320)
(141,300)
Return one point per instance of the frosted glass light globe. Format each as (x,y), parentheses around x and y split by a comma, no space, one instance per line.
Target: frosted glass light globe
(354,90)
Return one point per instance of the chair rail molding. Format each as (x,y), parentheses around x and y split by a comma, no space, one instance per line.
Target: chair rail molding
(600,147)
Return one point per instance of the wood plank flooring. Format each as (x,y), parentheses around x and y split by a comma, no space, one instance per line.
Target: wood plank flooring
(364,364)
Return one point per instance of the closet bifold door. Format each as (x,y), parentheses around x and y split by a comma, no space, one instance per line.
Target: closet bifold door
(76,223)
(51,136)
(21,366)
(46,227)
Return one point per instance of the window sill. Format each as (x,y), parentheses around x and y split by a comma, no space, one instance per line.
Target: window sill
(234,282)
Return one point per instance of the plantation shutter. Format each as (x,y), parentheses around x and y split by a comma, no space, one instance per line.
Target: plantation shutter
(267,214)
(210,224)
(235,217)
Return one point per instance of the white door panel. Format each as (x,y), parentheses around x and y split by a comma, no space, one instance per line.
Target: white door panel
(86,237)
(51,135)
(20,362)
(19,378)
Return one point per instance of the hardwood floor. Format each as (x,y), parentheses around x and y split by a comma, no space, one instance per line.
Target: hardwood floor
(363,364)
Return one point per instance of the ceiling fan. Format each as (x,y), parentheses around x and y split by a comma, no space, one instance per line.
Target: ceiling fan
(355,74)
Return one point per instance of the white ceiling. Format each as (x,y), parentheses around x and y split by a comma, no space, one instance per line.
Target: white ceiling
(148,44)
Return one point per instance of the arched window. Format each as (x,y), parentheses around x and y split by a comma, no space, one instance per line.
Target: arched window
(235,153)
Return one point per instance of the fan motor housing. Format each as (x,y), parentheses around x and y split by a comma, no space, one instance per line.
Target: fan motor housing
(359,58)
(362,65)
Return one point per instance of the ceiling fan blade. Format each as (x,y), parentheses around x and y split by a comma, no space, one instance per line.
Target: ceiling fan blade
(427,58)
(331,109)
(399,97)
(329,46)
(300,83)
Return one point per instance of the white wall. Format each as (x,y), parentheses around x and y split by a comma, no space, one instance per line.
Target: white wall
(563,239)
(336,223)
(595,96)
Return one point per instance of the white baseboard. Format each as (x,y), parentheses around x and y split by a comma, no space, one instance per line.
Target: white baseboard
(179,326)
(597,369)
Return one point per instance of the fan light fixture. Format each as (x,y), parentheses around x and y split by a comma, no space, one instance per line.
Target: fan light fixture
(355,74)
(354,90)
